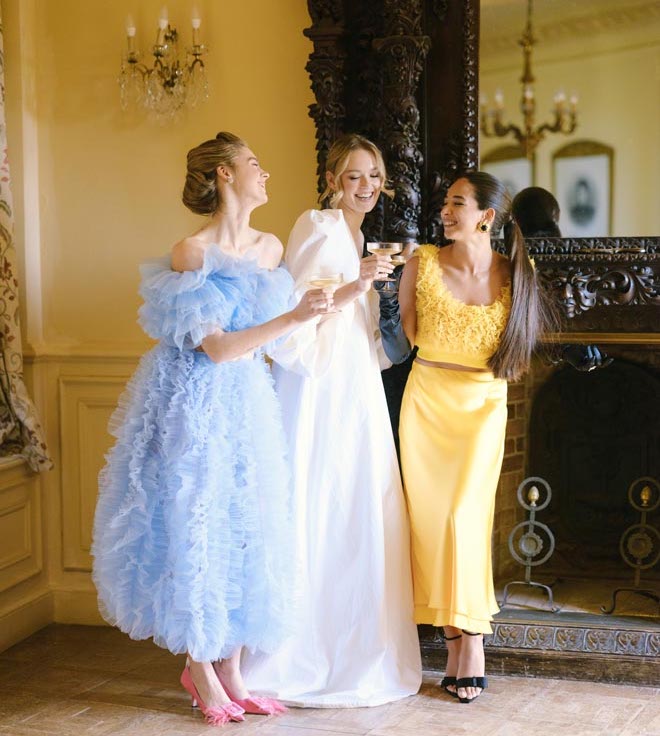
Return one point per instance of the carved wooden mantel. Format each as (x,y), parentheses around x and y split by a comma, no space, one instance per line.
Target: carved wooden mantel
(405,73)
(589,274)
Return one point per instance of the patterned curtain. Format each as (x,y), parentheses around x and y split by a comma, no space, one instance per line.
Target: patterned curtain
(20,432)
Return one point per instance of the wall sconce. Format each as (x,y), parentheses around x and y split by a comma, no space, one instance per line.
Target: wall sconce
(170,84)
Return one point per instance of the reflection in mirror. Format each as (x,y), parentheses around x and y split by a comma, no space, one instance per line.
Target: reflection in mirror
(606,53)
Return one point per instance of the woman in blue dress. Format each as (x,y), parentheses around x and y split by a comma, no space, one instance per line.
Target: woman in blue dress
(193,542)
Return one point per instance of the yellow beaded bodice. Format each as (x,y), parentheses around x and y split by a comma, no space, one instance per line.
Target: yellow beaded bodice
(448,330)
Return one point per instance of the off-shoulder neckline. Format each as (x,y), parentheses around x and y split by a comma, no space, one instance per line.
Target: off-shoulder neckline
(213,250)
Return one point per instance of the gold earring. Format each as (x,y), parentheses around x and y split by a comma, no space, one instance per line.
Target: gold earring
(484,227)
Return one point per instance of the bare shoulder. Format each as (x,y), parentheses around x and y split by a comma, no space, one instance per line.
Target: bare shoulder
(409,275)
(270,250)
(188,254)
(503,266)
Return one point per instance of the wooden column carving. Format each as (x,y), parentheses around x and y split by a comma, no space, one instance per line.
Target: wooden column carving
(326,68)
(402,52)
(450,103)
(364,87)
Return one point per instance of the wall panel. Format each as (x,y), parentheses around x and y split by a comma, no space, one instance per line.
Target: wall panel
(86,403)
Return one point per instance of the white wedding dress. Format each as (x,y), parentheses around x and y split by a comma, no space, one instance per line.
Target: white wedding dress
(357,643)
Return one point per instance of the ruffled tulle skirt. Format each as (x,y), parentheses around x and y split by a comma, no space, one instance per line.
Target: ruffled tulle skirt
(193,542)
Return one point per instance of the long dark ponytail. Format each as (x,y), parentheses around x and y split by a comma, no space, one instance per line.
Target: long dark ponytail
(531,313)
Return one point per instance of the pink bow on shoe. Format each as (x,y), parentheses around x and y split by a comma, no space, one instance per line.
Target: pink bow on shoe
(261,706)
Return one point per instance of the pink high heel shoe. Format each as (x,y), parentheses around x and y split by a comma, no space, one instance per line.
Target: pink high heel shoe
(259,706)
(216,715)
(255,704)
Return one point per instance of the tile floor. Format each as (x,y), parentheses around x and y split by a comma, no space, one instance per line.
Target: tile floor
(94,681)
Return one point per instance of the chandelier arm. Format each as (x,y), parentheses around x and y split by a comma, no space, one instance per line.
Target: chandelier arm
(528,136)
(138,66)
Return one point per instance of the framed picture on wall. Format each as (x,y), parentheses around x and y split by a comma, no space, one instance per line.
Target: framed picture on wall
(582,184)
(509,165)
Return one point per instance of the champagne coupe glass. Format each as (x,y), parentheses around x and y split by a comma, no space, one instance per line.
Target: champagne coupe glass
(394,251)
(326,279)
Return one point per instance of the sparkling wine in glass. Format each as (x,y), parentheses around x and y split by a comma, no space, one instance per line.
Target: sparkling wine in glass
(325,280)
(388,249)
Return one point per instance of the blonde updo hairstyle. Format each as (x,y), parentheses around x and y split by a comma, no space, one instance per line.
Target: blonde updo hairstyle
(336,164)
(200,192)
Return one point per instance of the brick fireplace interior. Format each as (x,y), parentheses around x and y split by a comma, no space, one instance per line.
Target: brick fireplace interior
(589,435)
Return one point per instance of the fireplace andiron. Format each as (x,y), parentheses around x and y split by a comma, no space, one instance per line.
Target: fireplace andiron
(640,543)
(529,544)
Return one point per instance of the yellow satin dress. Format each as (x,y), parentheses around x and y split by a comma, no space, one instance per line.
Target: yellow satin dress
(452,430)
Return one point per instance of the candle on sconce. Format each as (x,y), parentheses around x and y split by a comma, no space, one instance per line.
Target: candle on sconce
(573,101)
(175,78)
(499,99)
(528,93)
(163,23)
(130,34)
(560,99)
(196,23)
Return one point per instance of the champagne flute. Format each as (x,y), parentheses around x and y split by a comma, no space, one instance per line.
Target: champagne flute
(388,249)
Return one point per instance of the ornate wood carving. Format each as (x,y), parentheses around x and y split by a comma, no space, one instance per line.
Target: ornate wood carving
(326,70)
(452,79)
(586,273)
(583,287)
(402,52)
(439,8)
(364,84)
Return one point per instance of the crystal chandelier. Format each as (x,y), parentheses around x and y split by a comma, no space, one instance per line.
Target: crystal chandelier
(529,136)
(170,84)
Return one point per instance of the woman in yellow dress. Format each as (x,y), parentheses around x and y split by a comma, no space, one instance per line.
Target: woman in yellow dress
(475,316)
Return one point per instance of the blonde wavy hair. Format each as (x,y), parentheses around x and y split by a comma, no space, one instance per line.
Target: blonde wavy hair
(337,162)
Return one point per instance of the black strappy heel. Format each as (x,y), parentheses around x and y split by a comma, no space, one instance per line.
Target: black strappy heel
(465,682)
(448,679)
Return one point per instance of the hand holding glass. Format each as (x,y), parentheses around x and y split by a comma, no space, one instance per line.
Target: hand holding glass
(326,280)
(388,249)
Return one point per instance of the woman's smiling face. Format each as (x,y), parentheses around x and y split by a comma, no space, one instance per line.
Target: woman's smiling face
(360,182)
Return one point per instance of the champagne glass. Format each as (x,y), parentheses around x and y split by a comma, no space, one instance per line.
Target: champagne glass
(328,280)
(325,280)
(394,251)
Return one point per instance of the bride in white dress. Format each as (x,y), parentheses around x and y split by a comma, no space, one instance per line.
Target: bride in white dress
(357,643)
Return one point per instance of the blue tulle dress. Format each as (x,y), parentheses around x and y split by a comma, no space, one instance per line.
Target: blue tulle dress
(193,541)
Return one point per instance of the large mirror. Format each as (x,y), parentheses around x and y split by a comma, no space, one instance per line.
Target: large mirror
(606,53)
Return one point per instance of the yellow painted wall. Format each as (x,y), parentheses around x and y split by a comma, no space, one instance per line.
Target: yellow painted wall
(110,183)
(619,105)
(95,193)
